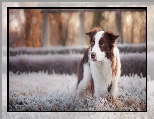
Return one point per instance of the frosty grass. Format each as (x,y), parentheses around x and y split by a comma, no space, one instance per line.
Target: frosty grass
(43,92)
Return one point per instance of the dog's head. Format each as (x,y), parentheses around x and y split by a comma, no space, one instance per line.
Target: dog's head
(102,43)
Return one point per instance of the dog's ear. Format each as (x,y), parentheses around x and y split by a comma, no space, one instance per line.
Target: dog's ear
(112,36)
(93,32)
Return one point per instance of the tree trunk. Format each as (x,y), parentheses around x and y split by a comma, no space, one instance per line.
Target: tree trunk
(132,29)
(81,29)
(97,19)
(46,30)
(119,26)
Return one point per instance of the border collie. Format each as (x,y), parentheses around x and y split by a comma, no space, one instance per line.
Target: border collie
(100,65)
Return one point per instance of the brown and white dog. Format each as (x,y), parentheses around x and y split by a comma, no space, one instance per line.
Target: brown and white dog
(101,64)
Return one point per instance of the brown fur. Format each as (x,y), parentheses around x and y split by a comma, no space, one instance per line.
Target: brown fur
(106,45)
(80,69)
(93,32)
(114,69)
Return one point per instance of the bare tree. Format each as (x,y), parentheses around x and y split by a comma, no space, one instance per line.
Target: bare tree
(119,26)
(15,39)
(97,19)
(63,27)
(132,28)
(32,27)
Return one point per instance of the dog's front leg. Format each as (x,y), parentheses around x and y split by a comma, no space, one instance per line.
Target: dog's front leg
(86,78)
(96,91)
(97,97)
(114,90)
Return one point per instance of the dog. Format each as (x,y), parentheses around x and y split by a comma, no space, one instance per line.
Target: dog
(100,65)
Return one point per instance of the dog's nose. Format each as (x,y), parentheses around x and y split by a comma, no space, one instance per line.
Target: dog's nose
(93,55)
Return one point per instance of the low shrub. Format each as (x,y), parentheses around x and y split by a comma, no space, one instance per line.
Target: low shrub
(132,63)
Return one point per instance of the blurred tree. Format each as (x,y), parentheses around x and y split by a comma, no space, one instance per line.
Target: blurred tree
(119,26)
(143,27)
(32,28)
(132,28)
(97,19)
(62,27)
(15,26)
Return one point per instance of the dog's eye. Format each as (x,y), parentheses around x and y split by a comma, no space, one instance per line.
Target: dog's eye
(103,44)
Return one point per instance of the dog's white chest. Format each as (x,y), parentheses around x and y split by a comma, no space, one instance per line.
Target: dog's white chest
(101,73)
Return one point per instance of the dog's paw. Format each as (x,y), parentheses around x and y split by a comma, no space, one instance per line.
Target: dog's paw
(113,101)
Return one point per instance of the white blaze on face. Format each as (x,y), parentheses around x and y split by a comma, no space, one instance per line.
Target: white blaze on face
(96,49)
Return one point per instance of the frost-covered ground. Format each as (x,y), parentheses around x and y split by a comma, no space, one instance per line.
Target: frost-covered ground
(43,92)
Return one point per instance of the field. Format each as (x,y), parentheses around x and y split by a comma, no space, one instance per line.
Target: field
(43,91)
(31,93)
